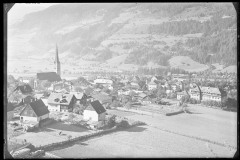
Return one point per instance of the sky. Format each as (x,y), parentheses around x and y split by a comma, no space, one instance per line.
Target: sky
(19,10)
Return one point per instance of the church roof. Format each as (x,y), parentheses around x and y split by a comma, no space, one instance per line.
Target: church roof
(49,76)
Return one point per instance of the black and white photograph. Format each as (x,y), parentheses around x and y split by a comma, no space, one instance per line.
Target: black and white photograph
(120,80)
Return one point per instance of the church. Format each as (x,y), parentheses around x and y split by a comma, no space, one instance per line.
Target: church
(50,76)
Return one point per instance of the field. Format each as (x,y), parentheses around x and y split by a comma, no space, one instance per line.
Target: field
(136,142)
(50,134)
(174,136)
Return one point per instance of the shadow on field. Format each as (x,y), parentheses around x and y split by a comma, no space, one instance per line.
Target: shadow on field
(190,112)
(136,129)
(65,127)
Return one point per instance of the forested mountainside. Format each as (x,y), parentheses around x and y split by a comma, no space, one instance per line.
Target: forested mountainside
(144,33)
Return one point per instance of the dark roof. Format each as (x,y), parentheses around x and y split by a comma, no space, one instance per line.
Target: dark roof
(38,107)
(24,89)
(96,106)
(49,76)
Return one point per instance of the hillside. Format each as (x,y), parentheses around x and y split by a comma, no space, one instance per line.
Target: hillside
(129,35)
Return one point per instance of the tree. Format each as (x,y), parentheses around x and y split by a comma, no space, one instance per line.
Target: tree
(141,84)
(132,93)
(161,93)
(78,108)
(111,121)
(128,105)
(115,104)
(185,98)
(45,84)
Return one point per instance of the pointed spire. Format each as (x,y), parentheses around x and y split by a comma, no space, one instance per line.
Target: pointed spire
(56,56)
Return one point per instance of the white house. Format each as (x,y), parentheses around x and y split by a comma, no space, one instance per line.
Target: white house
(181,94)
(94,112)
(211,93)
(152,85)
(103,81)
(34,112)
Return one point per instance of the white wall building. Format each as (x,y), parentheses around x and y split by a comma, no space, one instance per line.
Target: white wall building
(94,112)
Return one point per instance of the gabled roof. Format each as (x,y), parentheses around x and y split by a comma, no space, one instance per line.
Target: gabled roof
(182,93)
(147,98)
(152,83)
(79,95)
(38,107)
(142,95)
(25,89)
(49,76)
(59,98)
(96,106)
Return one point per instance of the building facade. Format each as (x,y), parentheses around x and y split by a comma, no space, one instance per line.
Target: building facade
(211,93)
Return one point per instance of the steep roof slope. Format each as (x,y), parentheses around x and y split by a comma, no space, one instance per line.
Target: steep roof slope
(49,76)
(96,106)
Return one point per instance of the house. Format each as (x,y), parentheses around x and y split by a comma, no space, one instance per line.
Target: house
(134,85)
(10,111)
(195,93)
(156,78)
(102,98)
(103,81)
(135,79)
(82,98)
(27,99)
(58,86)
(94,112)
(181,94)
(140,96)
(24,89)
(146,100)
(34,112)
(174,87)
(152,85)
(211,93)
(61,102)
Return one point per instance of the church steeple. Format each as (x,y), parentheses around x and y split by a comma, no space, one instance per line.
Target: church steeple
(57,62)
(56,56)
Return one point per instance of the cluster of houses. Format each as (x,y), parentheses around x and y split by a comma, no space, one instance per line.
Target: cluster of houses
(62,95)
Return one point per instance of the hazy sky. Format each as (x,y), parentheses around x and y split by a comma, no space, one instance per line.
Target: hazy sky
(21,9)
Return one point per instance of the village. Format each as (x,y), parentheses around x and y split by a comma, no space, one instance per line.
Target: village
(47,110)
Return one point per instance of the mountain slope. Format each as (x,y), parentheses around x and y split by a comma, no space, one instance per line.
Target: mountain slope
(143,34)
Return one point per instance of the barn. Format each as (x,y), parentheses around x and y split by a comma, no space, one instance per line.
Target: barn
(34,112)
(94,112)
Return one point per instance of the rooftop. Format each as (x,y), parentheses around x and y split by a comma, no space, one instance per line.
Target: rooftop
(49,76)
(96,106)
(60,98)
